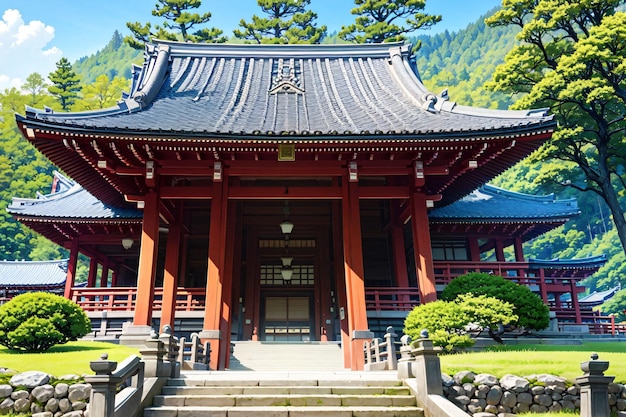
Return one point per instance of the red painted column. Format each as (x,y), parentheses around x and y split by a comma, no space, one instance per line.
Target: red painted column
(341,285)
(215,271)
(519,250)
(499,249)
(575,304)
(354,273)
(170,275)
(399,251)
(147,261)
(93,271)
(422,248)
(543,286)
(104,276)
(71,269)
(227,289)
(474,249)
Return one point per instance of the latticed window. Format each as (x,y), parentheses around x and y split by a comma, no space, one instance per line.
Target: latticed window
(302,275)
(449,251)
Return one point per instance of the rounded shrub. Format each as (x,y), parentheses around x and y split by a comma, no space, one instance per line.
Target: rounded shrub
(530,310)
(34,322)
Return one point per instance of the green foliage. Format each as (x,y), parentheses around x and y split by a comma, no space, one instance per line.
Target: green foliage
(114,60)
(102,93)
(571,59)
(379,20)
(34,322)
(464,61)
(450,322)
(531,312)
(286,21)
(444,321)
(65,84)
(178,22)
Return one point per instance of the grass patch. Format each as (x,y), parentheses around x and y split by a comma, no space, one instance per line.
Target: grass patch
(69,358)
(522,360)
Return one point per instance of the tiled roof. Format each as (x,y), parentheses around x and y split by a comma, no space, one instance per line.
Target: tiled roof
(591,262)
(490,203)
(69,201)
(216,90)
(599,297)
(32,274)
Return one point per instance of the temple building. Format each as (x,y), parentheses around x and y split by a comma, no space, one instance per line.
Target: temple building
(288,193)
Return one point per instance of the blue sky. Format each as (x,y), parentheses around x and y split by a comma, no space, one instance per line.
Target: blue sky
(35,34)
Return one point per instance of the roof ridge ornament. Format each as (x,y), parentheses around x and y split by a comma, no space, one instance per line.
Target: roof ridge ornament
(286,77)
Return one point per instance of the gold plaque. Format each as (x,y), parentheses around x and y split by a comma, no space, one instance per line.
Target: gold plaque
(286,152)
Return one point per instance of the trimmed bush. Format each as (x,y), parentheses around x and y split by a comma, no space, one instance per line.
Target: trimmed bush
(532,313)
(34,322)
(451,323)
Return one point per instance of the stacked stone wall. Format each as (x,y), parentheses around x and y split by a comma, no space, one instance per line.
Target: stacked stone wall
(35,392)
(484,395)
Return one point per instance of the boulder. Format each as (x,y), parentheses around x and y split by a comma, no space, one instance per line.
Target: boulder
(514,383)
(487,379)
(30,379)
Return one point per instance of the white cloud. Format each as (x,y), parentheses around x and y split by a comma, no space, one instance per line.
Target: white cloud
(23,49)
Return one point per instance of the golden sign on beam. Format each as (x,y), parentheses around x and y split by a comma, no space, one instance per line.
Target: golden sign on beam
(286,152)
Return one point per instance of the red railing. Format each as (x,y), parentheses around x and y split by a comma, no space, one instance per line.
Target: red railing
(391,298)
(124,298)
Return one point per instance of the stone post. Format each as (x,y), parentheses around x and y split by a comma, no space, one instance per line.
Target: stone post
(424,366)
(170,344)
(390,340)
(103,388)
(594,388)
(152,356)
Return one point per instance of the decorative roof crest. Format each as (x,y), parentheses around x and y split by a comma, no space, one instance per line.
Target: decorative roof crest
(286,77)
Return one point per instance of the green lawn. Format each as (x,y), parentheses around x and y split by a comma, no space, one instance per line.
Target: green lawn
(70,358)
(522,360)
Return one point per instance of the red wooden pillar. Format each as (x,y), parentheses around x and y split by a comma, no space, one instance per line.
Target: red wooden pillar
(71,269)
(93,271)
(399,252)
(227,289)
(575,301)
(543,288)
(519,250)
(147,261)
(474,249)
(170,275)
(104,277)
(340,285)
(499,249)
(423,251)
(215,271)
(354,273)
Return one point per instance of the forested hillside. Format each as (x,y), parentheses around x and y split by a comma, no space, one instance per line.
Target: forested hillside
(461,62)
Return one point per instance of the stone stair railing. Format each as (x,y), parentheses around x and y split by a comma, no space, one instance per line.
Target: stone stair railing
(381,354)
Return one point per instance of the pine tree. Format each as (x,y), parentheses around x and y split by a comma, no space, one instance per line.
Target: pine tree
(65,84)
(177,25)
(287,21)
(386,20)
(572,60)
(34,86)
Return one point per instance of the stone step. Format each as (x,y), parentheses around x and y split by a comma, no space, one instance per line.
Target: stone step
(285,390)
(286,411)
(279,381)
(269,356)
(285,394)
(255,400)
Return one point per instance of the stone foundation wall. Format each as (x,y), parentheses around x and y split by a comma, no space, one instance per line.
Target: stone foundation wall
(32,392)
(483,395)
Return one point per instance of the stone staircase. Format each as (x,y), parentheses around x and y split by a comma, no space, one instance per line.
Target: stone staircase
(285,394)
(281,356)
